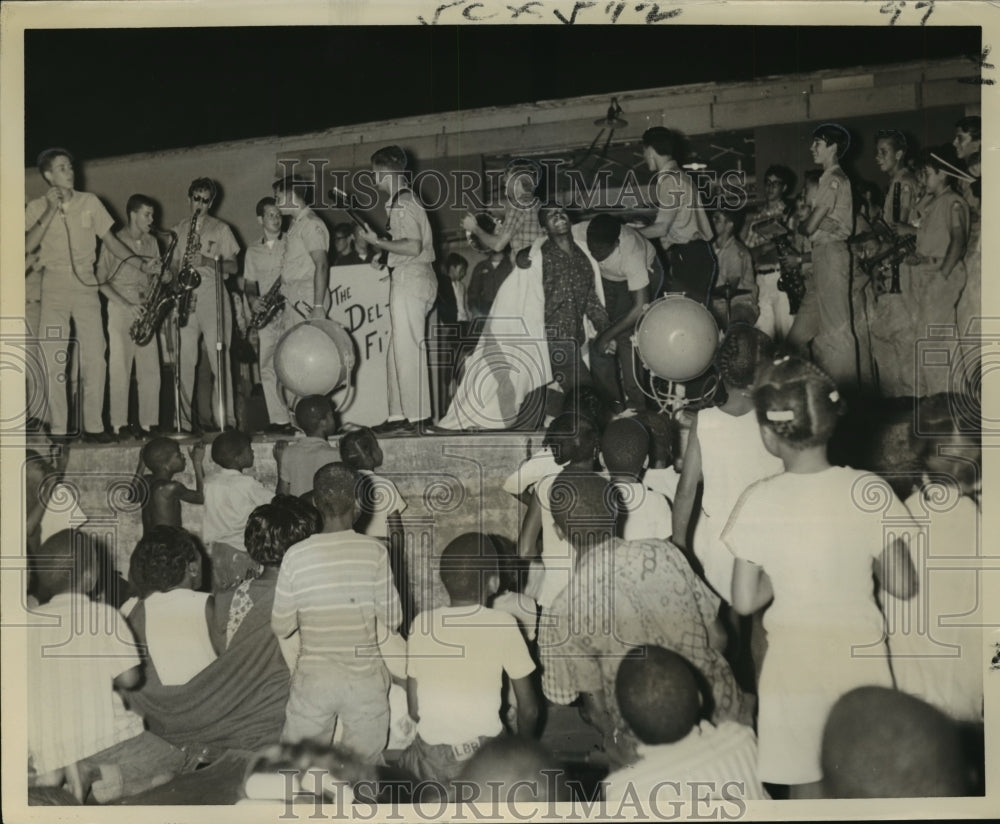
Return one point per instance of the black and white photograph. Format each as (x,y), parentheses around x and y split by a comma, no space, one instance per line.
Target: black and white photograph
(566,410)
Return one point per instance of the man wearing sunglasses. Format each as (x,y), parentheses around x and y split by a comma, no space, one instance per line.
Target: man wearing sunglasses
(214,239)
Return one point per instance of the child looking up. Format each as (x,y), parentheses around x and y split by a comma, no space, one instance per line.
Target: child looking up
(336,589)
(164,459)
(660,696)
(299,460)
(457,656)
(625,449)
(725,454)
(573,439)
(381,505)
(810,539)
(230,497)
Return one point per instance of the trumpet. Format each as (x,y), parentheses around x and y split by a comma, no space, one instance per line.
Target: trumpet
(157,304)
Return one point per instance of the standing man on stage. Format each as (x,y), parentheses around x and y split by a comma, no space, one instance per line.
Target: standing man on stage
(305,274)
(775,319)
(67,250)
(213,239)
(412,289)
(261,270)
(127,290)
(520,227)
(826,308)
(681,226)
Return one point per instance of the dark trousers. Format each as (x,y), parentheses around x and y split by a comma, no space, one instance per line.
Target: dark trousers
(692,270)
(618,301)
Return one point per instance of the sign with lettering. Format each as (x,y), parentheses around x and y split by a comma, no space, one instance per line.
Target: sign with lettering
(361,303)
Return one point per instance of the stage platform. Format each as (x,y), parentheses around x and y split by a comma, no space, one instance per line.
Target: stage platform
(451,483)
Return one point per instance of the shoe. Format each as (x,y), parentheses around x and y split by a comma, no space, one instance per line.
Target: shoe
(279,429)
(98,437)
(138,432)
(209,427)
(387,427)
(125,433)
(426,426)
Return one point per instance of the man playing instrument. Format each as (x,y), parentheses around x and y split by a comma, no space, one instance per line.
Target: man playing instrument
(775,319)
(67,254)
(127,289)
(305,274)
(412,289)
(206,238)
(891,315)
(261,270)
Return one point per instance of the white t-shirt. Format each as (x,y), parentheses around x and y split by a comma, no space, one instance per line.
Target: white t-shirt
(230,497)
(457,656)
(733,456)
(385,501)
(649,513)
(177,635)
(936,637)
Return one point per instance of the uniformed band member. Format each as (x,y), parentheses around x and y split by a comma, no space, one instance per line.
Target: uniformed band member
(213,239)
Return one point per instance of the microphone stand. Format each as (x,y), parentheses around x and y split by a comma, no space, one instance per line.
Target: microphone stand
(220,344)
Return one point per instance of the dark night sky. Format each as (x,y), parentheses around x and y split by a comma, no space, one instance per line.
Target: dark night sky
(105,92)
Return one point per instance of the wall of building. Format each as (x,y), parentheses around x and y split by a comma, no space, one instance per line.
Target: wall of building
(922,98)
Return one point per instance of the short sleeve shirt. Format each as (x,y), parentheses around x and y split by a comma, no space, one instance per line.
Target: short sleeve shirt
(216,240)
(408,220)
(907,194)
(834,192)
(630,261)
(75,651)
(676,196)
(306,235)
(86,220)
(125,277)
(262,263)
(458,656)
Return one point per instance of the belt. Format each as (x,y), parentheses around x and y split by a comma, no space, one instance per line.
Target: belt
(769,269)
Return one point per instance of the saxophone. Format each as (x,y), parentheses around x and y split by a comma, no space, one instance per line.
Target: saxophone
(157,304)
(188,278)
(791,280)
(269,305)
